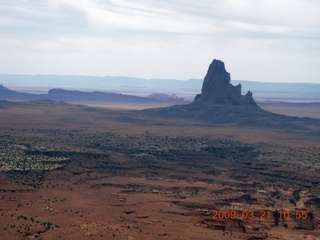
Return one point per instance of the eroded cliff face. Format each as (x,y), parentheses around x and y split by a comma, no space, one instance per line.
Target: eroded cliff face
(217,88)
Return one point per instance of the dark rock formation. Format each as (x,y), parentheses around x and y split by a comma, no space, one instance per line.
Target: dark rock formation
(217,88)
(222,103)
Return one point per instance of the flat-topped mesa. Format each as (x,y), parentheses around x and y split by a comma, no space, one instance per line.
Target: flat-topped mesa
(217,88)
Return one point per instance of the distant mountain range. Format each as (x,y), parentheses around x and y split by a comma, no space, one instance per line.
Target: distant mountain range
(80,96)
(144,87)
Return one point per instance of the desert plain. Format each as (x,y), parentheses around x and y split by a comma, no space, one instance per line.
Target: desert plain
(82,172)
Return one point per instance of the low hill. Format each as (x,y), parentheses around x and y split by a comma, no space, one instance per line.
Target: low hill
(7,94)
(74,96)
(169,98)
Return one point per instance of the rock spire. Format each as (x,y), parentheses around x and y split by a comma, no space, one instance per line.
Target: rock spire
(217,88)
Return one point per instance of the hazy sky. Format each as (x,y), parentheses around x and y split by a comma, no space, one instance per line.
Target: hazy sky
(259,40)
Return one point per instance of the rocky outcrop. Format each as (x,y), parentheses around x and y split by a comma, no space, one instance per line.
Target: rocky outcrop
(217,88)
(222,103)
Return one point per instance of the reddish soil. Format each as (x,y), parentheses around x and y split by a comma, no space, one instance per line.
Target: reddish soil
(127,180)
